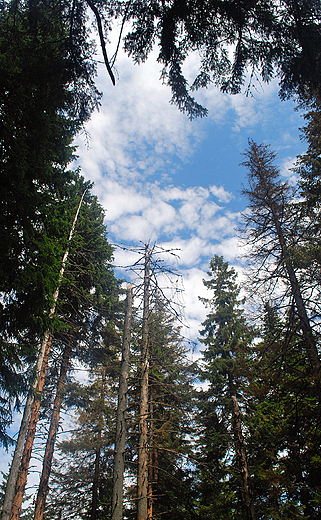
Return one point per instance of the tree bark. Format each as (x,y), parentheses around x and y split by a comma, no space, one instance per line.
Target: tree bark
(142,477)
(152,458)
(14,470)
(23,473)
(94,501)
(120,441)
(54,424)
(246,491)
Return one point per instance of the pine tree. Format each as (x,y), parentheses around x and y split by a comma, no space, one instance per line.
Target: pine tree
(307,253)
(46,94)
(121,415)
(171,491)
(86,315)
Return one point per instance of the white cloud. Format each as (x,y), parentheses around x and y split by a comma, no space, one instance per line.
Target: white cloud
(230,248)
(221,194)
(286,170)
(138,140)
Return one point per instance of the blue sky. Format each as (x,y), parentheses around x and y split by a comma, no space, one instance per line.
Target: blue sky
(163,178)
(175,182)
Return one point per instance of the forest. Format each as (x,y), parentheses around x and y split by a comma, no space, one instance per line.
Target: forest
(122,422)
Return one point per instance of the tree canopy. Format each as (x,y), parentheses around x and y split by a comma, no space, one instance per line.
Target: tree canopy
(240,43)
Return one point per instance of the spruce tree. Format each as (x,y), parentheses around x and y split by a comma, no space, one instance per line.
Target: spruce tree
(171,490)
(81,483)
(46,94)
(283,422)
(225,483)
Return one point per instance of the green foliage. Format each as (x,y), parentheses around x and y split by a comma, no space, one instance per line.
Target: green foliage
(307,253)
(228,339)
(283,422)
(171,400)
(267,39)
(46,93)
(279,231)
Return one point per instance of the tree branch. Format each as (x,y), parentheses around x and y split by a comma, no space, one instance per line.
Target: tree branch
(102,39)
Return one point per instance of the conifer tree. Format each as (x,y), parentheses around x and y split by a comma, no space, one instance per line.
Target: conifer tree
(46,94)
(122,404)
(307,253)
(283,422)
(270,230)
(171,490)
(225,487)
(88,304)
(81,483)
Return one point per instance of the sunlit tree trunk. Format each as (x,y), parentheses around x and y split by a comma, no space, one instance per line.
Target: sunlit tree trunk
(152,471)
(23,472)
(142,477)
(53,429)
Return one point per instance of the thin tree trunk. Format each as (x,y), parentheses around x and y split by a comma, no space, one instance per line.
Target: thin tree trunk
(94,501)
(94,497)
(54,424)
(120,441)
(14,470)
(142,477)
(246,491)
(23,472)
(151,466)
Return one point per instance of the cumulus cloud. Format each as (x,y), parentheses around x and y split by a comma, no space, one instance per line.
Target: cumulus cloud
(138,142)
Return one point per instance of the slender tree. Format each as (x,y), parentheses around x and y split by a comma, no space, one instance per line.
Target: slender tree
(171,491)
(283,421)
(81,480)
(26,456)
(89,273)
(270,230)
(13,474)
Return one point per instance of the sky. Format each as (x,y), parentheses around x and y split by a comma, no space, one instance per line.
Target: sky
(174,182)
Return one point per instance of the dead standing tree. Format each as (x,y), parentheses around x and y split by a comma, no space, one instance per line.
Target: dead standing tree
(146,267)
(142,475)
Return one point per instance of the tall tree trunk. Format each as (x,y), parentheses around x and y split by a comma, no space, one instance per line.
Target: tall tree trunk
(14,470)
(246,491)
(142,477)
(120,441)
(23,472)
(54,423)
(15,465)
(151,464)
